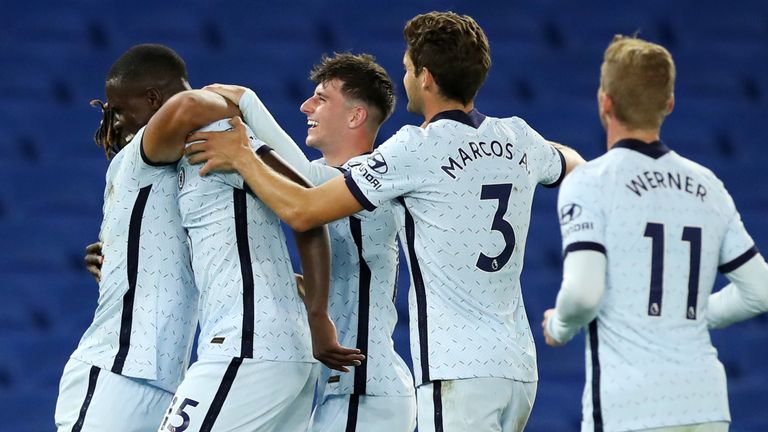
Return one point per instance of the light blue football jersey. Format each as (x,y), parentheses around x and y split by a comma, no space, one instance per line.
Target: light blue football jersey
(462,189)
(363,276)
(249,304)
(362,301)
(666,224)
(147,309)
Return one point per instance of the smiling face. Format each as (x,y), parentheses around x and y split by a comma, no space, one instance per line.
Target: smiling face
(328,113)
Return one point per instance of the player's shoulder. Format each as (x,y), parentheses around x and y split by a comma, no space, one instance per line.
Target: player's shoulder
(593,174)
(407,139)
(701,172)
(693,166)
(596,168)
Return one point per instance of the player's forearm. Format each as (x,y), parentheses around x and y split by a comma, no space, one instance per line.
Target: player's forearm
(580,293)
(572,157)
(185,112)
(268,130)
(745,297)
(286,198)
(315,254)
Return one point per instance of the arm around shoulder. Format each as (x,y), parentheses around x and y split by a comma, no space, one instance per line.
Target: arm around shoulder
(183,113)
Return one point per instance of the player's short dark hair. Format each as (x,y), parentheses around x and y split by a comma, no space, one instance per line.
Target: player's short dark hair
(453,48)
(363,80)
(147,62)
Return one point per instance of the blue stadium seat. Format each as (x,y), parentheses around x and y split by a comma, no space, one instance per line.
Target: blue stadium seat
(27,410)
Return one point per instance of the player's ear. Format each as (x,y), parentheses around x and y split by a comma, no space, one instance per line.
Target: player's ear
(427,80)
(606,102)
(358,117)
(671,104)
(154,98)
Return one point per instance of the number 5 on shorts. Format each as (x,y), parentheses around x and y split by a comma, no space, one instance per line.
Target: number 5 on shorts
(179,412)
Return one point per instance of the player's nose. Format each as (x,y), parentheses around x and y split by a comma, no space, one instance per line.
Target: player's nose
(307,106)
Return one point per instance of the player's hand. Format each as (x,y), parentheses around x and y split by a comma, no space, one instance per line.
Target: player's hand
(300,286)
(547,338)
(228,91)
(219,150)
(94,259)
(326,348)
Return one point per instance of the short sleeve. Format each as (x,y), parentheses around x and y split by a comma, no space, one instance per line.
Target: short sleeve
(389,172)
(546,162)
(737,247)
(581,216)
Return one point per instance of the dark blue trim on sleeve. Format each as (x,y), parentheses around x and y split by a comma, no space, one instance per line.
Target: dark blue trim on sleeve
(263,149)
(654,149)
(738,261)
(149,162)
(357,193)
(562,171)
(579,246)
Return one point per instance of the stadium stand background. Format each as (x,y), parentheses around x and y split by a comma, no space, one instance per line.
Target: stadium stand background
(546,54)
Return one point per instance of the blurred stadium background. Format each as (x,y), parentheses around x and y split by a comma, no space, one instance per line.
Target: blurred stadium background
(546,54)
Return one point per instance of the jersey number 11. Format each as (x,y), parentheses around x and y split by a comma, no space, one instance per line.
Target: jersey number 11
(691,235)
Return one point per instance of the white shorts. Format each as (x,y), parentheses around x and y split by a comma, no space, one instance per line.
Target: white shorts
(94,399)
(703,427)
(364,413)
(475,404)
(243,395)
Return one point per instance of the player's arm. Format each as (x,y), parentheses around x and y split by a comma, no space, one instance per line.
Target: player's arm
(166,132)
(579,298)
(745,297)
(315,253)
(299,207)
(571,156)
(263,124)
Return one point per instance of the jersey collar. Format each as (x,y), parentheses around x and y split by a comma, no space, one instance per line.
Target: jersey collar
(473,118)
(654,150)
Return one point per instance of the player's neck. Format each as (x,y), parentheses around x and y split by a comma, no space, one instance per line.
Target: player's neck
(434,106)
(616,132)
(346,150)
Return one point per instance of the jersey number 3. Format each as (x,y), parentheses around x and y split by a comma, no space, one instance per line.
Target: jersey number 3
(501,193)
(691,235)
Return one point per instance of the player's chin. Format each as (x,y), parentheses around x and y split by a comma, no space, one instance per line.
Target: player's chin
(311,140)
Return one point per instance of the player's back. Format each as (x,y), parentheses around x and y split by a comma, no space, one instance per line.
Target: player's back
(465,184)
(249,305)
(668,224)
(146,315)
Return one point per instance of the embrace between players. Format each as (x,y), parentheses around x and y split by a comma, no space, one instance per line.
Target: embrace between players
(191,234)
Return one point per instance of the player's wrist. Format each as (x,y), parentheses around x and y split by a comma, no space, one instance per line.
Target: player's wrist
(246,161)
(246,102)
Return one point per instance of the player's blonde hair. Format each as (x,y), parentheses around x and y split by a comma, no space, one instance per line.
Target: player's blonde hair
(639,76)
